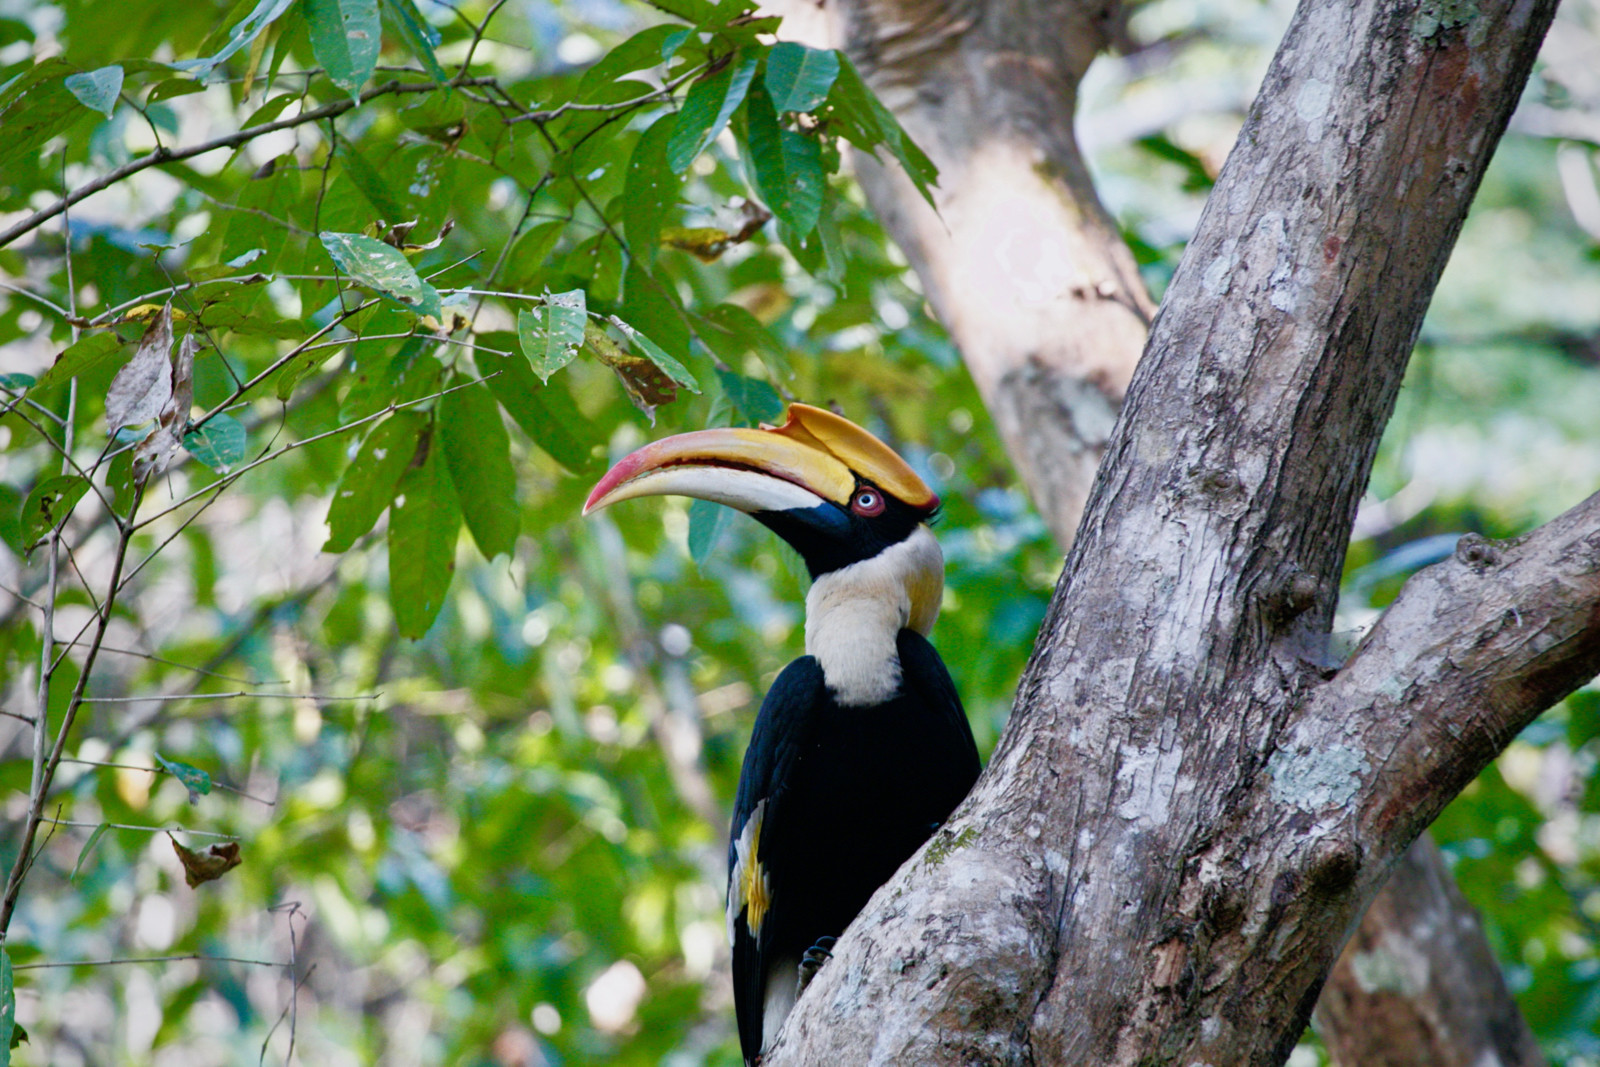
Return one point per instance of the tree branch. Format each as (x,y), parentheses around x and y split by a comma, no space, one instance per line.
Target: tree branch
(1109,894)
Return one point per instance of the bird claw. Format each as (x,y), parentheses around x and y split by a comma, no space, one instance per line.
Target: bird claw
(814,958)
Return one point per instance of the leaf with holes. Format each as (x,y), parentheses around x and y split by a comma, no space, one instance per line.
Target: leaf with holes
(369,482)
(51,501)
(550,336)
(383,268)
(345,35)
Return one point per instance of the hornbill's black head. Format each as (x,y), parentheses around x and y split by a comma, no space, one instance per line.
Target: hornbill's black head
(832,490)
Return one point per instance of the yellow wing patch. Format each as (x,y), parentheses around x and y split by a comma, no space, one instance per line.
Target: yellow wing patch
(749,888)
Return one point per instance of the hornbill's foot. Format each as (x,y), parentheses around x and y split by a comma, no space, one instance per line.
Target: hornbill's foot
(814,958)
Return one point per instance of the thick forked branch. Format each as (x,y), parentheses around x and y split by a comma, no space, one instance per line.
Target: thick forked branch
(1472,650)
(1110,893)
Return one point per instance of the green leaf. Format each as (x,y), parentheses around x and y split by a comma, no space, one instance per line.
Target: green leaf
(418,33)
(755,399)
(651,305)
(477,451)
(196,781)
(34,108)
(546,413)
(219,444)
(658,355)
(269,111)
(8,1008)
(731,331)
(423,522)
(866,123)
(551,335)
(707,520)
(88,847)
(651,188)
(246,31)
(798,78)
(372,184)
(345,35)
(51,501)
(97,90)
(639,52)
(174,87)
(707,108)
(384,268)
(786,166)
(17,382)
(369,483)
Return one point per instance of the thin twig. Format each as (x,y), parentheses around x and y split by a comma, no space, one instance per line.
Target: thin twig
(167,697)
(148,959)
(162,770)
(79,824)
(162,155)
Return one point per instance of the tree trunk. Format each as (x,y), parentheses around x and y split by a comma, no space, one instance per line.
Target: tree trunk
(1004,90)
(1185,813)
(1407,988)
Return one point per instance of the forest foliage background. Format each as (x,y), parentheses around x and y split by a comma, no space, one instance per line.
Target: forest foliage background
(444,261)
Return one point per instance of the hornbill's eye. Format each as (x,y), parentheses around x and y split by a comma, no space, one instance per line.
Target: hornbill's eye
(867,502)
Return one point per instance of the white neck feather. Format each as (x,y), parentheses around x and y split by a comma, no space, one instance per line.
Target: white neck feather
(855,614)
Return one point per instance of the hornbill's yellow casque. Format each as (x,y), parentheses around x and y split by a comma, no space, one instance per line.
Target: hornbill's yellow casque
(862,748)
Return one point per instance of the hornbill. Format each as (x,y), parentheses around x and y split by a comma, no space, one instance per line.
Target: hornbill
(862,749)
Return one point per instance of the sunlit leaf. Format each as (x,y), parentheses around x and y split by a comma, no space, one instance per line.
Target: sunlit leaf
(243,33)
(97,90)
(345,35)
(384,268)
(550,335)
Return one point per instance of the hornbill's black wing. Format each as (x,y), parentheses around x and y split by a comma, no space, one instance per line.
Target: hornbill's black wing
(946,735)
(781,732)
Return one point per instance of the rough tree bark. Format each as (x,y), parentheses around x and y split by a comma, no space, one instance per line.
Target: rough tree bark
(1185,815)
(977,91)
(1388,980)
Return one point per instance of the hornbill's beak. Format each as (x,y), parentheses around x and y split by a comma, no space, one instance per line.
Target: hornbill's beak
(816,458)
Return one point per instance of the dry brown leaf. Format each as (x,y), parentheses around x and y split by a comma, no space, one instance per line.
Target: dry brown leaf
(155,452)
(143,387)
(646,384)
(207,864)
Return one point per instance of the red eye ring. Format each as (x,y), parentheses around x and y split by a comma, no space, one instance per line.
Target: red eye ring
(868,502)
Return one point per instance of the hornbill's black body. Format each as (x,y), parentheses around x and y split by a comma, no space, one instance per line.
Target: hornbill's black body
(861,748)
